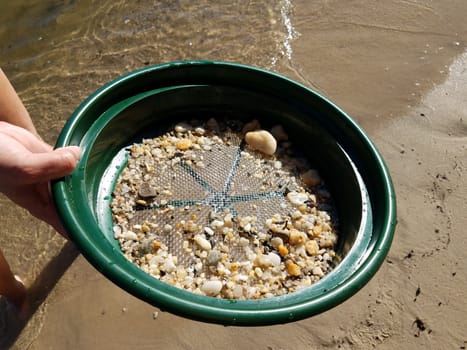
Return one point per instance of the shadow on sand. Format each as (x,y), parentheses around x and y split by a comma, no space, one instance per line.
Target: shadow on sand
(11,322)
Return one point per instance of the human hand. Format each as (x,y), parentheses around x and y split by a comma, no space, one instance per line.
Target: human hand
(27,164)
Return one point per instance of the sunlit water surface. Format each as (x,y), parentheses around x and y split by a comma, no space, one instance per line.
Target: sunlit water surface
(58,52)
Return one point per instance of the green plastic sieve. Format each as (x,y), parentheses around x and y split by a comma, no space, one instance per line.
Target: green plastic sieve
(140,103)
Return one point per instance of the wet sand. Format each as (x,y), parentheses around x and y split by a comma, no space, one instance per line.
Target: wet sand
(400,70)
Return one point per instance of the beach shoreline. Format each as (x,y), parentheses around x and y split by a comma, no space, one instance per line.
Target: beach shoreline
(399,69)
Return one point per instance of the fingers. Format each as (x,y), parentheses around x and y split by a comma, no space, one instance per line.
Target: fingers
(42,167)
(30,141)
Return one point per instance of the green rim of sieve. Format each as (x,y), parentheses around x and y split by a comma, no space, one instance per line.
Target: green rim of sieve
(120,112)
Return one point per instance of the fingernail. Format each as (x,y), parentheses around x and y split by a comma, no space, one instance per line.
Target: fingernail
(76,151)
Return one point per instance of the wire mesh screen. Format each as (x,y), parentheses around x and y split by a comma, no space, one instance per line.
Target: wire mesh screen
(196,203)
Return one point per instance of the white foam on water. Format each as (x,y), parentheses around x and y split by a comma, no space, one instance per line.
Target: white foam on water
(454,86)
(290,32)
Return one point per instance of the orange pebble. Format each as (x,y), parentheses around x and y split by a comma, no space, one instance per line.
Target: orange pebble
(293,269)
(282,249)
(156,245)
(184,144)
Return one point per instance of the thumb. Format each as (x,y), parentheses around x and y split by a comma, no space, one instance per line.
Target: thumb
(42,167)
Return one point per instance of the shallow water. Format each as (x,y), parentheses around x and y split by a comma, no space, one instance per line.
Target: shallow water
(58,52)
(375,61)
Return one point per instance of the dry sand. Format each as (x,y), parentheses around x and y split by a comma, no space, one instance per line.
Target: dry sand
(399,69)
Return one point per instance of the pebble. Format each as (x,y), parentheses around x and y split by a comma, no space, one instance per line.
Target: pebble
(261,141)
(312,247)
(117,230)
(311,178)
(169,265)
(146,191)
(293,269)
(318,271)
(212,287)
(297,237)
(276,242)
(182,127)
(130,235)
(279,133)
(297,198)
(199,131)
(264,260)
(202,242)
(274,259)
(283,250)
(213,258)
(213,125)
(209,231)
(184,144)
(251,126)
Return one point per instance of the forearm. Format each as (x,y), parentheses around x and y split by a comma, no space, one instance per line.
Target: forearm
(12,109)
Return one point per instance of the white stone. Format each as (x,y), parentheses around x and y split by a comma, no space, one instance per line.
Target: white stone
(212,287)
